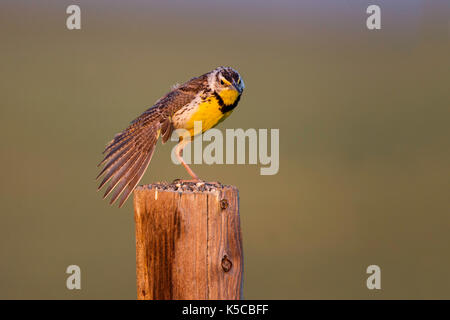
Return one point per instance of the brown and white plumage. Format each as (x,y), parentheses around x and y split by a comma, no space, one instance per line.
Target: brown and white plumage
(128,155)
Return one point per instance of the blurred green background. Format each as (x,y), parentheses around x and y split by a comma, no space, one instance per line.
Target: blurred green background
(364,140)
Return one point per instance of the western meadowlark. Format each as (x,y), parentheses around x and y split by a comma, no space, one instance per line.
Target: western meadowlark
(209,98)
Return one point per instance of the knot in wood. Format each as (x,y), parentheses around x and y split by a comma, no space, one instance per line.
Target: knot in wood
(223,204)
(226,264)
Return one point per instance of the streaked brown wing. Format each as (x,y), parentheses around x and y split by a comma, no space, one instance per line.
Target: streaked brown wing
(129,153)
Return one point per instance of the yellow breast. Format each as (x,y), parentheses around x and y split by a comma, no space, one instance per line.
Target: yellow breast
(229,96)
(206,111)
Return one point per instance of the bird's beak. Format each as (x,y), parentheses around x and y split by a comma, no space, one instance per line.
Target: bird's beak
(239,87)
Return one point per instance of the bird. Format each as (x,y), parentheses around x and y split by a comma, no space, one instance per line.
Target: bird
(209,98)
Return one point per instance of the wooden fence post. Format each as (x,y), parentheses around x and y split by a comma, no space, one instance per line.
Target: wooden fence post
(188,242)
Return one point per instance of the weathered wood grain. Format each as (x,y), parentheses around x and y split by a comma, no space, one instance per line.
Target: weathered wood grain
(188,243)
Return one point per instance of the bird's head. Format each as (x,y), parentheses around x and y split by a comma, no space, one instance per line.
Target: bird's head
(227,83)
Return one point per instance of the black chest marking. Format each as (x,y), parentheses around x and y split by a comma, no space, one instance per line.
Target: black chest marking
(224,108)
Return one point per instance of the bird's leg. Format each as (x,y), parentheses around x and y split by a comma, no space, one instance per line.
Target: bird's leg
(178,152)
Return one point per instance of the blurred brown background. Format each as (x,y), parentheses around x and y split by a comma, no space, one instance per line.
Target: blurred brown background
(364,140)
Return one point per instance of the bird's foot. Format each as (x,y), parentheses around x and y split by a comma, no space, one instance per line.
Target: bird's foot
(198,182)
(181,181)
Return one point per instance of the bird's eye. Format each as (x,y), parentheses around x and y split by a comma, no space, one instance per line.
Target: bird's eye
(224,82)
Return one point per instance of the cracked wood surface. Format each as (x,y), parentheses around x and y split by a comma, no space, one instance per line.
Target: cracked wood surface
(188,242)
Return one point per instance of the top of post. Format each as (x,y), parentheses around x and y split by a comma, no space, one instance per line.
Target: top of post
(182,187)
